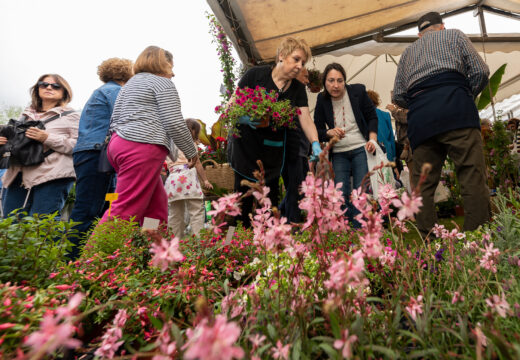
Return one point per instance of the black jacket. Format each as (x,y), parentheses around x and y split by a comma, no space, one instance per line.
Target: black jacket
(363,108)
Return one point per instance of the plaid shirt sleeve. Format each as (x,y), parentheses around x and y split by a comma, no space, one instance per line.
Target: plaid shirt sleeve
(477,71)
(401,82)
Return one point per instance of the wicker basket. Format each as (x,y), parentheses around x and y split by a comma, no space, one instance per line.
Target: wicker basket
(221,175)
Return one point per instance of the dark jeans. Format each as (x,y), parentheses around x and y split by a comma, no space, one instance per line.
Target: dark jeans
(91,187)
(345,164)
(293,175)
(464,147)
(45,198)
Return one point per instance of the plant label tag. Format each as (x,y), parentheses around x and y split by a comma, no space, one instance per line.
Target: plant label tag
(229,235)
(111,196)
(150,224)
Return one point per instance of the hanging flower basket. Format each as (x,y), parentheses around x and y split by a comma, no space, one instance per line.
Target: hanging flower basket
(315,81)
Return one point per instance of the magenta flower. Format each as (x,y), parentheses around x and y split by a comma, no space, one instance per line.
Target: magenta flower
(213,342)
(457,297)
(166,253)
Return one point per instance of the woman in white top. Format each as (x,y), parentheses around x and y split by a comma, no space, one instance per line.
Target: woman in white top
(347,112)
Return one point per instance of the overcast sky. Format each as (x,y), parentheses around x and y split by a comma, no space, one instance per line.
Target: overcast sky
(72,37)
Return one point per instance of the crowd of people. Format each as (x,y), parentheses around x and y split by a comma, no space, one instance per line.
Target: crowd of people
(137,111)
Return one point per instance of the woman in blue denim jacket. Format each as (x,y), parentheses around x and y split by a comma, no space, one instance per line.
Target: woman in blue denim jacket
(91,185)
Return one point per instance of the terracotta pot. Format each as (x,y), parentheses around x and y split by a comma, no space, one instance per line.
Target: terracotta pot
(315,88)
(459,210)
(264,122)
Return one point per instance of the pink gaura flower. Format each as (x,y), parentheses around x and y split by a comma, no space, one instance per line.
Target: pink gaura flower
(167,347)
(213,342)
(457,297)
(227,204)
(280,351)
(53,335)
(345,344)
(347,273)
(408,205)
(166,253)
(111,339)
(415,307)
(489,260)
(498,305)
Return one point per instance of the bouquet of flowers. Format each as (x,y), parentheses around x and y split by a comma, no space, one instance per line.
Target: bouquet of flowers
(260,105)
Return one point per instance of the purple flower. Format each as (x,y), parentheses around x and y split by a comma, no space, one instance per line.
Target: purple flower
(438,255)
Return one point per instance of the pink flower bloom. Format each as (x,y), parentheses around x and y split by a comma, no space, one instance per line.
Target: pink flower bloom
(481,338)
(489,260)
(111,341)
(213,342)
(166,253)
(53,335)
(415,307)
(227,204)
(70,309)
(166,345)
(457,297)
(280,351)
(6,326)
(498,305)
(347,273)
(408,205)
(345,344)
(257,340)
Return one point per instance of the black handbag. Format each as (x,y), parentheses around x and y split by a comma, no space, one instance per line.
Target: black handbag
(104,165)
(19,149)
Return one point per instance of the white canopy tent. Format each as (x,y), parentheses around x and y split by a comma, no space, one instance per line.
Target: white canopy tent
(356,33)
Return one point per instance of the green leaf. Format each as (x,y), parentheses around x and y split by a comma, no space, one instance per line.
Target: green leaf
(271,331)
(329,350)
(494,83)
(412,335)
(423,353)
(385,351)
(316,321)
(156,322)
(296,350)
(334,324)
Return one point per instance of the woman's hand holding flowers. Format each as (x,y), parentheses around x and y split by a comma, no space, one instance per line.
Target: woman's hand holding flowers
(247,120)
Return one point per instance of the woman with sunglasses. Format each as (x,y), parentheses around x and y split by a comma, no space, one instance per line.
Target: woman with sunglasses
(43,188)
(146,125)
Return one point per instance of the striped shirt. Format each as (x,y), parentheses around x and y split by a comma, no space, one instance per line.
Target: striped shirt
(437,52)
(148,110)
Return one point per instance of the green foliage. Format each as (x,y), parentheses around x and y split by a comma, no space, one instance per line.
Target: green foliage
(502,165)
(9,112)
(494,82)
(32,247)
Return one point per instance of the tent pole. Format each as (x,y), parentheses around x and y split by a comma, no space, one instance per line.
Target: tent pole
(484,35)
(363,68)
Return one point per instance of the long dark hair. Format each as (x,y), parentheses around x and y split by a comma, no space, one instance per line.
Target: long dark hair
(329,68)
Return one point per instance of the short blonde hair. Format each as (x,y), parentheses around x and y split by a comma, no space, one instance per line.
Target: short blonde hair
(154,60)
(115,69)
(289,44)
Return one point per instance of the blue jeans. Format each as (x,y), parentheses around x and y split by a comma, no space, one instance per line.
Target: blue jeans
(45,198)
(91,187)
(345,164)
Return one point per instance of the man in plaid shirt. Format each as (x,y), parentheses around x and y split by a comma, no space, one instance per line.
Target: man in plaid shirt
(437,79)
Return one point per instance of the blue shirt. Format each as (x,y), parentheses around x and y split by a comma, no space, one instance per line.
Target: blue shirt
(95,117)
(385,133)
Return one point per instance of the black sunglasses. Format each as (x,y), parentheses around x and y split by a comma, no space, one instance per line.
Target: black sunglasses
(44,85)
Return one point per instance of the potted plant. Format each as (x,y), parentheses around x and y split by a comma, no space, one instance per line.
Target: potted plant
(260,105)
(315,80)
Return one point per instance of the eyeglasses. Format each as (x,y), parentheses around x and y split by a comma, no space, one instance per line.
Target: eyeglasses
(44,85)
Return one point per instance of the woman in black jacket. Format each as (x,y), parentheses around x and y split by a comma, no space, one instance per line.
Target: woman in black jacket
(347,112)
